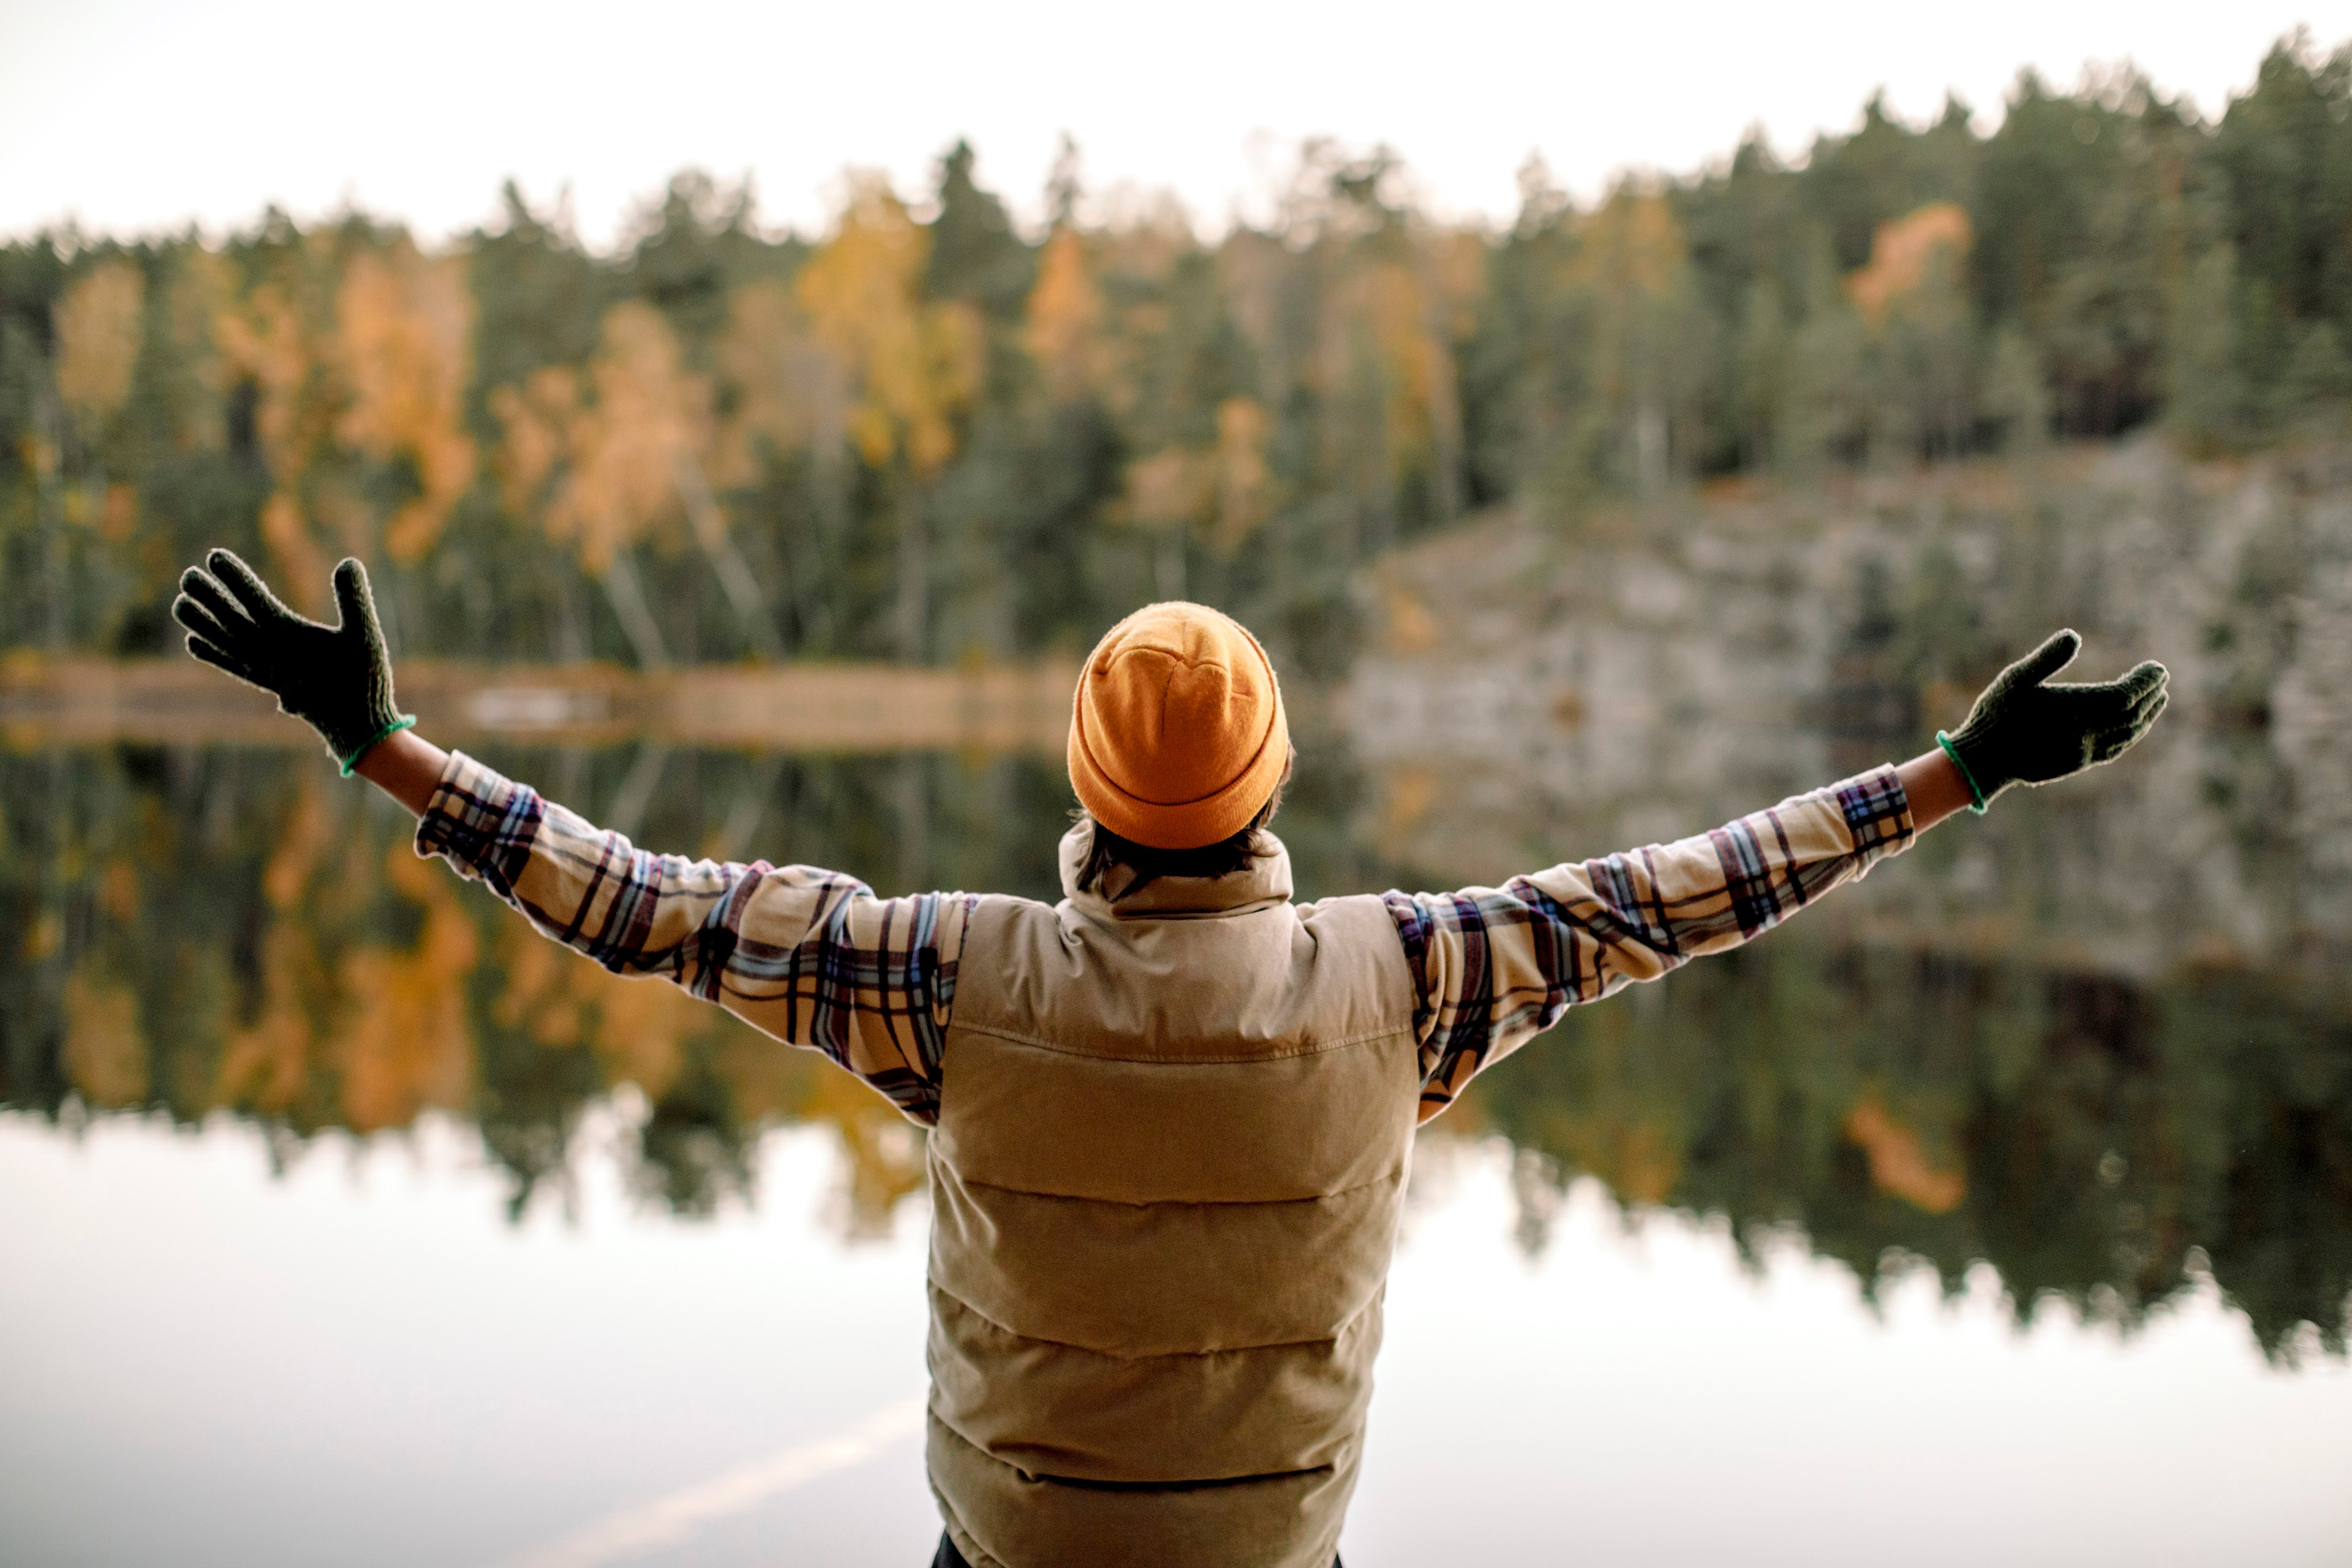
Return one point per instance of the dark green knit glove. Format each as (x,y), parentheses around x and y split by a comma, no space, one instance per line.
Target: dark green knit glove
(338,677)
(2025,731)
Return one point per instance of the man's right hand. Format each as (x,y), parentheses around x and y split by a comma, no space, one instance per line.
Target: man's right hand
(2024,730)
(337,678)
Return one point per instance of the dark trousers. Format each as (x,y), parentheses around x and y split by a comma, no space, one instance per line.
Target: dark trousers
(948,1557)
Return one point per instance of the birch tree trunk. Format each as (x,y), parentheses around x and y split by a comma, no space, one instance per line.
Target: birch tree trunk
(628,597)
(914,606)
(734,573)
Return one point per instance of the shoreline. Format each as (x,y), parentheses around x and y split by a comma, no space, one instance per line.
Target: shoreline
(853,708)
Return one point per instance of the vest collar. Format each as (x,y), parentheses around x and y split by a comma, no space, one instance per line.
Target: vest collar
(1261,884)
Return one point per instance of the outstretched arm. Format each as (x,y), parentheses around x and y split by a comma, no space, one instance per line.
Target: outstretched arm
(1493,967)
(808,956)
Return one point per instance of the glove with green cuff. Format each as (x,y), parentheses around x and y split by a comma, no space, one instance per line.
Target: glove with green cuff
(2026,731)
(338,679)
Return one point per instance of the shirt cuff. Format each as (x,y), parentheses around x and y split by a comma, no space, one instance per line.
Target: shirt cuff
(1877,812)
(479,821)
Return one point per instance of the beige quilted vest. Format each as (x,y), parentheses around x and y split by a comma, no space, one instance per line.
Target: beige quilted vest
(1173,1136)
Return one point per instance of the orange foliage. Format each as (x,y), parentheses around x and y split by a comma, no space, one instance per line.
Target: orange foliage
(262,339)
(267,1064)
(1165,488)
(105,1053)
(118,513)
(1407,792)
(1639,1162)
(406,326)
(1901,253)
(1243,426)
(1631,248)
(643,1028)
(98,326)
(1064,318)
(1224,486)
(614,446)
(541,995)
(883,1153)
(1384,305)
(118,891)
(304,835)
(201,286)
(405,1044)
(536,423)
(915,365)
(1898,1162)
(637,1028)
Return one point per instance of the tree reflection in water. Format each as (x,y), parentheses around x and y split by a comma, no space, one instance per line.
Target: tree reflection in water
(220,931)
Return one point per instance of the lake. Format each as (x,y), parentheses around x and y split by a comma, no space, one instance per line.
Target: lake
(2000,1208)
(347,1220)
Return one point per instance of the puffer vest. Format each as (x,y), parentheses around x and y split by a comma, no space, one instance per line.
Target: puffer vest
(1174,1130)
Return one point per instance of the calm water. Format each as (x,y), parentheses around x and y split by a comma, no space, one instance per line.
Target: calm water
(347,1220)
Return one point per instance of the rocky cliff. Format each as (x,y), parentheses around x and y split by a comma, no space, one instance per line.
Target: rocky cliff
(1539,690)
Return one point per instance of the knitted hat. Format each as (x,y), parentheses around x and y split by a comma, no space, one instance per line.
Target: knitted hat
(1177,736)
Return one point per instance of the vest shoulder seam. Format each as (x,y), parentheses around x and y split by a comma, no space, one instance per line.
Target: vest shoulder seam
(1317,1048)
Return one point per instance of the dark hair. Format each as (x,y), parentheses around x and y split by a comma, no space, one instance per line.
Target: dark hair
(1223,859)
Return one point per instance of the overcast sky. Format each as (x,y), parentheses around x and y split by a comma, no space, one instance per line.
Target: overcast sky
(134,115)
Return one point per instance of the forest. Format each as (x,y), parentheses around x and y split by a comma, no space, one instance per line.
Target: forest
(931,437)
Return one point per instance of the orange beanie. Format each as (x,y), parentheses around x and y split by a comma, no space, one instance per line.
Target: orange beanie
(1178,735)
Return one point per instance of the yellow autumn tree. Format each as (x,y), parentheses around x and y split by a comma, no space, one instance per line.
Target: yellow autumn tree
(914,364)
(405,1044)
(784,386)
(1380,323)
(105,1054)
(1222,488)
(619,435)
(1630,255)
(266,340)
(614,458)
(98,326)
(1062,331)
(535,434)
(406,321)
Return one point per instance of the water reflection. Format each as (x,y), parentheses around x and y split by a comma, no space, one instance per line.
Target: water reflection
(205,931)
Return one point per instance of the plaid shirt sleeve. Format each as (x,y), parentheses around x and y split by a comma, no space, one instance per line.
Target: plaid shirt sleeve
(811,957)
(1494,967)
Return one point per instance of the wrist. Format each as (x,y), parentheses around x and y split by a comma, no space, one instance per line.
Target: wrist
(1979,798)
(349,761)
(1980,763)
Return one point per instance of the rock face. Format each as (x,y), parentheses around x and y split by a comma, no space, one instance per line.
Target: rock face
(1538,693)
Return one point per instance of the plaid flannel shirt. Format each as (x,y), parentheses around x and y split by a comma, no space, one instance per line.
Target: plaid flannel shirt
(1494,967)
(811,957)
(814,959)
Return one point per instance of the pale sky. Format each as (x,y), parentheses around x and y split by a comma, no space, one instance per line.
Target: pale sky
(134,115)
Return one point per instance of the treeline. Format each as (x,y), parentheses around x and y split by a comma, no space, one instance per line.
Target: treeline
(931,437)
